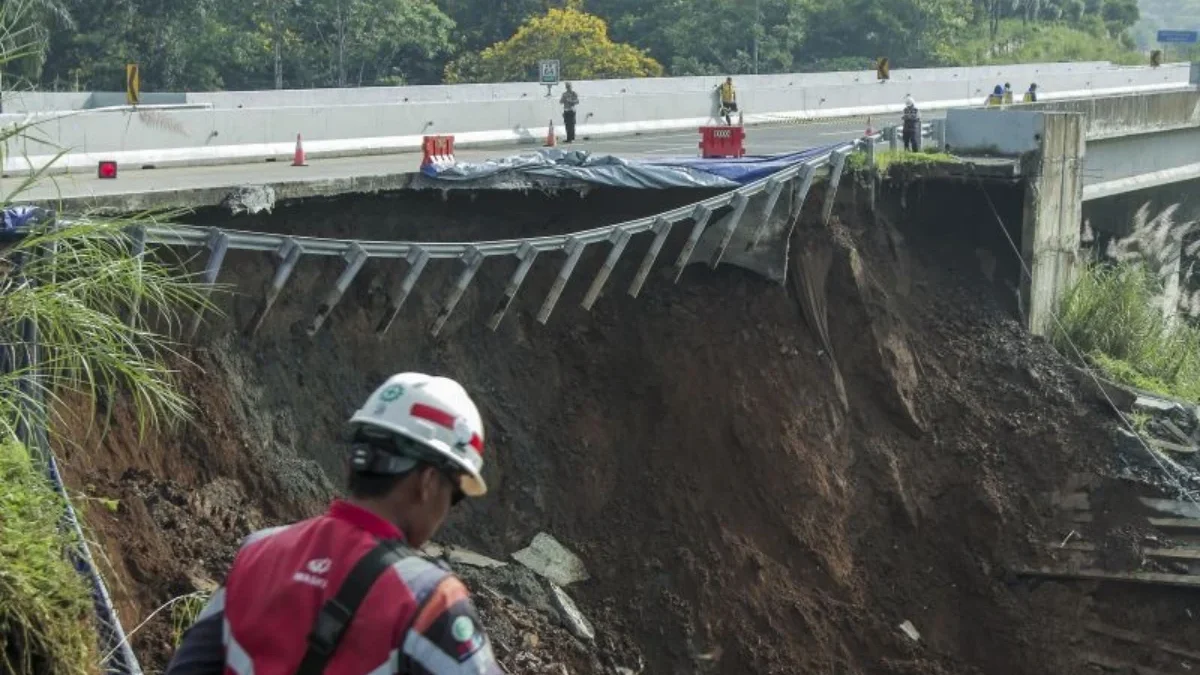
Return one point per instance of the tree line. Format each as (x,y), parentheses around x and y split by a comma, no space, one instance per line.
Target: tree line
(195,45)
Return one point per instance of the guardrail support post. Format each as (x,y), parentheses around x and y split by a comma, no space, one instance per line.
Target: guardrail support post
(810,173)
(356,257)
(289,255)
(937,129)
(774,190)
(472,259)
(700,217)
(527,254)
(417,259)
(574,249)
(661,228)
(619,239)
(218,245)
(740,202)
(835,177)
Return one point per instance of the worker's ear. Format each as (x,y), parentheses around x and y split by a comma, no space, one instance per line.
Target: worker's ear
(429,481)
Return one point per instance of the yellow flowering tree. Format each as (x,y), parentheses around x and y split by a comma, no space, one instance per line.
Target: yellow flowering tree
(577,39)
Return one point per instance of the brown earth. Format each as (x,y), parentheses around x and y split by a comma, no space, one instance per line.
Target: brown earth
(749,497)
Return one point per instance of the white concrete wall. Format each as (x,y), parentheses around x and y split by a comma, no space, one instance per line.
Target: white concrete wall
(172,137)
(1111,159)
(1019,75)
(1011,132)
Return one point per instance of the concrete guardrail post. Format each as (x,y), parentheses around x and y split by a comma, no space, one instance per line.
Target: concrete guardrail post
(700,217)
(417,258)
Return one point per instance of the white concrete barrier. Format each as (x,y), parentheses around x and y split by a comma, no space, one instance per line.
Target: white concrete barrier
(165,137)
(1019,75)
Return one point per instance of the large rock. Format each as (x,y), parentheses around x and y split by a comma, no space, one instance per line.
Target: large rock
(552,560)
(575,621)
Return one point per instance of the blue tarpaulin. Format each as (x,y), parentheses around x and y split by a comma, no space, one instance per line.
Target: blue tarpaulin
(13,217)
(615,171)
(742,170)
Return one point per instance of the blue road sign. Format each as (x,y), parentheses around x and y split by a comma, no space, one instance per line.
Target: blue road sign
(1182,36)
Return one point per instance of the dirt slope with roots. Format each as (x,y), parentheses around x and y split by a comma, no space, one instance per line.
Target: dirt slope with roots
(749,496)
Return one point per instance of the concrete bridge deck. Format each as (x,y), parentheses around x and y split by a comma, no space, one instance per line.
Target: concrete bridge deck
(201,186)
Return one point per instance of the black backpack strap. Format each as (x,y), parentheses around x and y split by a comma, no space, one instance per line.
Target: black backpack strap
(337,613)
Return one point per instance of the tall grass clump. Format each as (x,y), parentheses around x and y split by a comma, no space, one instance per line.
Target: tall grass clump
(102,311)
(1113,314)
(46,619)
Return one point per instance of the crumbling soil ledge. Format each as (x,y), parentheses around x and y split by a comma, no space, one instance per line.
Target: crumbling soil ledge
(738,514)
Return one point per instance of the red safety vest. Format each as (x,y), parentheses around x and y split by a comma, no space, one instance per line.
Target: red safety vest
(416,618)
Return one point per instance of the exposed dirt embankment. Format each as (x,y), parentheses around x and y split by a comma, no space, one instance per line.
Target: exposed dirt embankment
(761,479)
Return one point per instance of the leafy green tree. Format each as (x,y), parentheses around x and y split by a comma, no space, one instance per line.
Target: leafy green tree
(579,40)
(914,33)
(482,23)
(356,42)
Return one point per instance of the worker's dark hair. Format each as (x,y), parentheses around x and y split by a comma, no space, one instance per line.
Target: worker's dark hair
(373,486)
(369,485)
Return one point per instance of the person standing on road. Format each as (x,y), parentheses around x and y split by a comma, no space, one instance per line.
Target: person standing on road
(291,597)
(1008,93)
(728,100)
(1031,94)
(911,130)
(569,101)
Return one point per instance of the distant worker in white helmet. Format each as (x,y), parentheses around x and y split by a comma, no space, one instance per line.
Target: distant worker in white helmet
(291,597)
(911,125)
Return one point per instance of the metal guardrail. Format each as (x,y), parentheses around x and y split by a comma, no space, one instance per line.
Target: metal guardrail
(289,249)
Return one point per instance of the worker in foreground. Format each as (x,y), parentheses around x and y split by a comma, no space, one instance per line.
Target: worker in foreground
(345,593)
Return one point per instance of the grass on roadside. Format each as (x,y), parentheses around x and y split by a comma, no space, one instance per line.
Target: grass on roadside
(184,613)
(1114,316)
(857,161)
(46,619)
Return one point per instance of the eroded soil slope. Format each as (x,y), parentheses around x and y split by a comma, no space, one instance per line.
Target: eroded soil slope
(761,479)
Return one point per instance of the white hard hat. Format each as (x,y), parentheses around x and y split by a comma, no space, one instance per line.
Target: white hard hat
(908,100)
(435,412)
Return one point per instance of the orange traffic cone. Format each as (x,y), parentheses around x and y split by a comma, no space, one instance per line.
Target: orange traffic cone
(551,139)
(299,159)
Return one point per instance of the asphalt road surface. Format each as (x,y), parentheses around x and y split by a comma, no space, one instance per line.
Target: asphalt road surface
(82,188)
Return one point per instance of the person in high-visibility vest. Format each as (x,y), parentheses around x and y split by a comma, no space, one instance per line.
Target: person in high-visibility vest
(728,100)
(997,96)
(1031,94)
(1008,94)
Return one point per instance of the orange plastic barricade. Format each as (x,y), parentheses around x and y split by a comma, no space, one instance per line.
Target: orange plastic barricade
(439,151)
(722,142)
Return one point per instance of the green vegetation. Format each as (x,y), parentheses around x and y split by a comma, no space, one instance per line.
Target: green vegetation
(184,611)
(578,39)
(101,316)
(1114,316)
(1018,42)
(46,620)
(257,44)
(857,161)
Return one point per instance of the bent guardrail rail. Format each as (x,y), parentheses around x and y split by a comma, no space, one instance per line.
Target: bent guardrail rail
(290,249)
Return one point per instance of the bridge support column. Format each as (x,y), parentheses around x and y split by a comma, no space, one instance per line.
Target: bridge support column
(1053,211)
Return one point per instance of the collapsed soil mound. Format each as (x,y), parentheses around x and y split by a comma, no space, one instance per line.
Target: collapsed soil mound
(761,479)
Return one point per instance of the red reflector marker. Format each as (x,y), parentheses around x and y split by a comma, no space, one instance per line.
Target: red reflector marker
(107,170)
